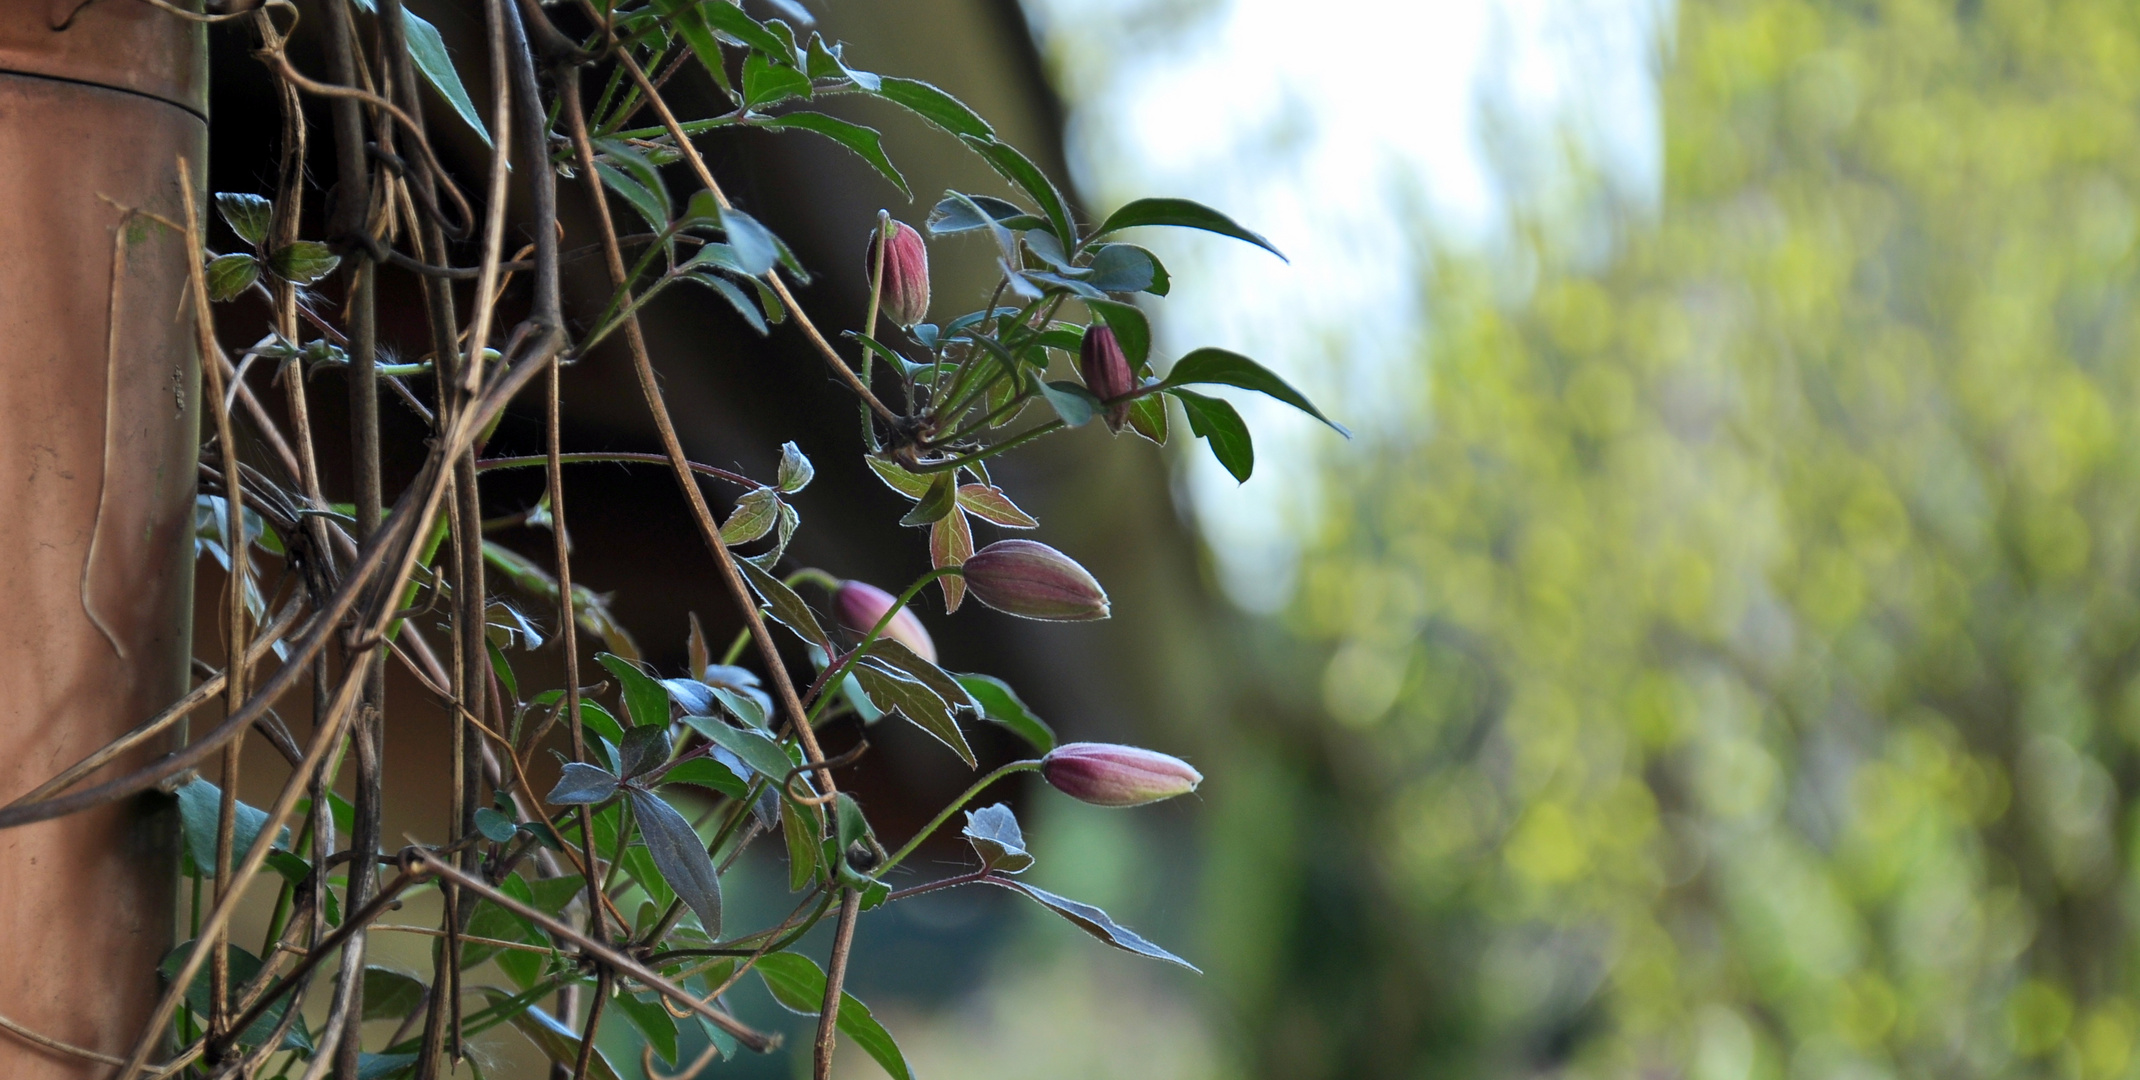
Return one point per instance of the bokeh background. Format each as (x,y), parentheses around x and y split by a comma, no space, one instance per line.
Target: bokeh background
(1716,655)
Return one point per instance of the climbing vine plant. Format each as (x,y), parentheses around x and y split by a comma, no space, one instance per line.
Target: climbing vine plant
(599,894)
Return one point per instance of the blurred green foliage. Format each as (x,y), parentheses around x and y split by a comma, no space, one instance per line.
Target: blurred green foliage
(1736,673)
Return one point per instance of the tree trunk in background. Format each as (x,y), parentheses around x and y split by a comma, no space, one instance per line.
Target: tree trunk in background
(98,406)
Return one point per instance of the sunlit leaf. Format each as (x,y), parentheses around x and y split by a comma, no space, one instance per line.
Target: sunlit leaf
(999,703)
(993,831)
(1095,922)
(797,983)
(1233,369)
(1182,213)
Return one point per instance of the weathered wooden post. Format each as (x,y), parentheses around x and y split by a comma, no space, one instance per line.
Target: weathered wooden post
(98,404)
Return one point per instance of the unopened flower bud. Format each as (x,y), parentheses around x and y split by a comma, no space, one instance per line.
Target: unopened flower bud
(904,298)
(1106,370)
(859,605)
(1106,774)
(1033,580)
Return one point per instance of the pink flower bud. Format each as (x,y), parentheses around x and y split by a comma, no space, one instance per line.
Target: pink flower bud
(1105,774)
(859,605)
(1033,580)
(905,296)
(1106,371)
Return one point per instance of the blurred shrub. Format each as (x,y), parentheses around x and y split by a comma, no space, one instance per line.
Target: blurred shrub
(1737,672)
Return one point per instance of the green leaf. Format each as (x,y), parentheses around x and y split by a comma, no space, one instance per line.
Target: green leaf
(708,772)
(1233,369)
(866,143)
(798,984)
(757,249)
(935,106)
(754,516)
(1020,170)
(503,670)
(582,784)
(652,1021)
(644,749)
(993,831)
(496,827)
(893,653)
(200,806)
(248,215)
(230,275)
(243,966)
(1132,331)
(957,213)
(645,699)
(1001,704)
(937,502)
(731,20)
(1096,922)
(1217,423)
(599,720)
(390,994)
(830,62)
(796,472)
(651,207)
(990,504)
(894,691)
(1181,213)
(766,83)
(428,48)
(1121,268)
(1075,404)
(680,856)
(556,1041)
(304,262)
(798,826)
(1148,417)
(911,485)
(754,748)
(786,607)
(735,299)
(688,19)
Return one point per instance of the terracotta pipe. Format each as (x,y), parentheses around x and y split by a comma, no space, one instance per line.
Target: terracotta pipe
(99,402)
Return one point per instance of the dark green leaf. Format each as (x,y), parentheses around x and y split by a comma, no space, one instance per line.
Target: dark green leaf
(644,749)
(798,983)
(243,966)
(865,142)
(891,690)
(1001,704)
(754,748)
(1121,268)
(1182,213)
(830,62)
(428,48)
(1020,170)
(390,994)
(200,806)
(1217,423)
(248,215)
(939,682)
(1075,404)
(795,469)
(993,831)
(688,18)
(937,502)
(304,262)
(645,699)
(680,856)
(230,275)
(1132,331)
(935,106)
(502,669)
(1233,369)
(708,772)
(749,706)
(785,606)
(599,721)
(582,785)
(1095,922)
